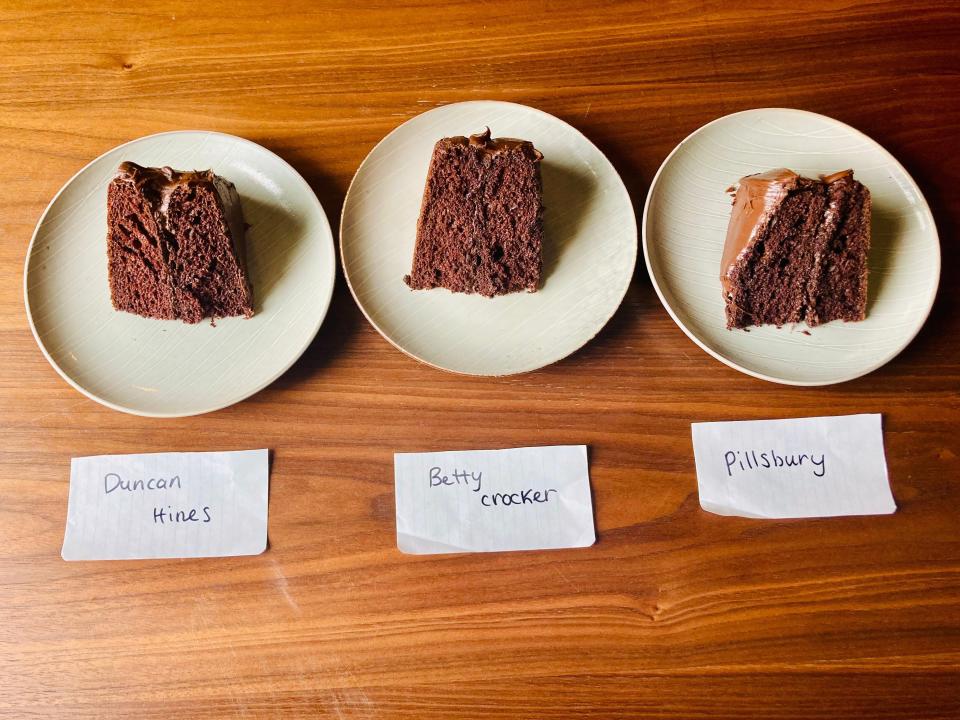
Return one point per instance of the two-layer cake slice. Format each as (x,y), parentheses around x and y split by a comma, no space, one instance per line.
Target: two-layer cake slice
(175,245)
(796,250)
(481,221)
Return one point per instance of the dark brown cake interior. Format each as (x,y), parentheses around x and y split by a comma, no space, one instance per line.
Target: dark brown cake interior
(838,288)
(175,245)
(796,250)
(769,285)
(208,279)
(139,277)
(481,222)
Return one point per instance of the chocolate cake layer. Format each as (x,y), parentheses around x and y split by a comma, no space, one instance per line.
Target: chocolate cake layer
(838,289)
(796,250)
(175,245)
(481,221)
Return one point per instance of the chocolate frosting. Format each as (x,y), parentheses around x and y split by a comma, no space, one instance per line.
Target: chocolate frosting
(483,141)
(165,180)
(756,199)
(838,175)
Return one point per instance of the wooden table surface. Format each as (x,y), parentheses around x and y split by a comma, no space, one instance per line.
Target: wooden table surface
(674,613)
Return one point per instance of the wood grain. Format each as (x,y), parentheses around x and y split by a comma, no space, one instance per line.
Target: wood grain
(674,613)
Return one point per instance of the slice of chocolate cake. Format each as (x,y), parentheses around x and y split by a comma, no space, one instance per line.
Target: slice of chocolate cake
(175,245)
(481,222)
(796,250)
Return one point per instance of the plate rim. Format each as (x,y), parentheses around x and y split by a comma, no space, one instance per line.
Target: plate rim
(753,373)
(524,371)
(219,406)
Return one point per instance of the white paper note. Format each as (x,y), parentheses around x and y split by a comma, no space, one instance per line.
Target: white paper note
(808,467)
(491,500)
(167,505)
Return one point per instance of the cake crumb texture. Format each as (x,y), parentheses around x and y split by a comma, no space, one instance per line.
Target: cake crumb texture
(175,245)
(481,222)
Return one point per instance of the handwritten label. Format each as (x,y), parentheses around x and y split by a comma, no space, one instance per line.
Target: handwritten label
(807,467)
(167,505)
(492,500)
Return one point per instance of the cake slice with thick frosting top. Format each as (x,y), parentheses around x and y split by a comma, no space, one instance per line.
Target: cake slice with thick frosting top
(796,250)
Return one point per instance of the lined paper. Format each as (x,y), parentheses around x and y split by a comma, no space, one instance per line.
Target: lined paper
(167,505)
(807,467)
(533,498)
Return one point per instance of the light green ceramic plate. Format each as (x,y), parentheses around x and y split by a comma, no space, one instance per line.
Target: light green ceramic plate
(590,247)
(167,368)
(685,222)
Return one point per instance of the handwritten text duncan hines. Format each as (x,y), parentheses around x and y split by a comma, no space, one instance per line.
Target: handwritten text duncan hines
(162,515)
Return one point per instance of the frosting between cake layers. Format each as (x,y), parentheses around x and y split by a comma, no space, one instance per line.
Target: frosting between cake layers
(756,199)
